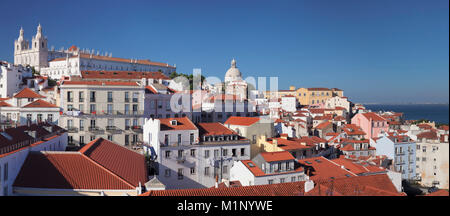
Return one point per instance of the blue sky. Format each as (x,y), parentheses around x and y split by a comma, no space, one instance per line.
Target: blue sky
(377,51)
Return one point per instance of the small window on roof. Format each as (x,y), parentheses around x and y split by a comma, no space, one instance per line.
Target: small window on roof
(318,161)
(308,162)
(250,164)
(347,175)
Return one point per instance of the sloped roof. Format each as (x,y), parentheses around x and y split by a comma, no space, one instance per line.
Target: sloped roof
(277,156)
(4,104)
(183,123)
(39,103)
(322,168)
(28,93)
(213,128)
(125,163)
(243,121)
(66,170)
(372,185)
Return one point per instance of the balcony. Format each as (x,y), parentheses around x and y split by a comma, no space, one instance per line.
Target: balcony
(72,129)
(399,162)
(176,144)
(137,129)
(400,153)
(96,130)
(113,130)
(181,159)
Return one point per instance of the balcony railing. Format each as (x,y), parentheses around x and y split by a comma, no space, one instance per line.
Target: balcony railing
(113,129)
(136,128)
(96,130)
(72,129)
(104,113)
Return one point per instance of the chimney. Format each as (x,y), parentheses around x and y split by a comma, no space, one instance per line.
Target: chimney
(309,185)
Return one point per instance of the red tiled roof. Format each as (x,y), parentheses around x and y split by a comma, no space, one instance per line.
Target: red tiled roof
(28,93)
(277,156)
(357,168)
(64,170)
(323,125)
(291,143)
(4,104)
(130,75)
(99,83)
(372,185)
(444,127)
(256,171)
(428,135)
(325,169)
(424,126)
(183,123)
(213,128)
(115,59)
(243,121)
(125,163)
(39,103)
(373,116)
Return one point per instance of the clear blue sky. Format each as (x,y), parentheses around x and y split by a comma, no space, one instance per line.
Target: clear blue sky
(377,51)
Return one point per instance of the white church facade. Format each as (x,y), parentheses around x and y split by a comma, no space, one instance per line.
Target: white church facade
(70,62)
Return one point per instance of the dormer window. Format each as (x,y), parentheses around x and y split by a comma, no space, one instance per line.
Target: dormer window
(173,122)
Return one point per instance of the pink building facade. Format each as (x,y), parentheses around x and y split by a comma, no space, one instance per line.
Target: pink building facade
(371,123)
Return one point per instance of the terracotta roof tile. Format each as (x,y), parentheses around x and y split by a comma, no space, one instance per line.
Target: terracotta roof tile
(183,123)
(28,93)
(243,121)
(277,156)
(39,103)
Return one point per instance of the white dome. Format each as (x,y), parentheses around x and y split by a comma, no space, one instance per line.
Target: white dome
(233,74)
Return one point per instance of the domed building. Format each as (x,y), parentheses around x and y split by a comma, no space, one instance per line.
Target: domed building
(234,84)
(233,74)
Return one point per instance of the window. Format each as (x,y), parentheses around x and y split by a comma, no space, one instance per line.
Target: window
(167,173)
(424,148)
(424,159)
(270,181)
(224,169)
(282,180)
(92,96)
(192,152)
(180,173)
(242,151)
(5,171)
(39,117)
(110,137)
(92,109)
(192,170)
(293,179)
(233,152)
(206,171)
(127,139)
(110,97)
(206,153)
(192,138)
(109,109)
(127,97)
(81,96)
(135,97)
(81,140)
(216,153)
(225,152)
(69,96)
(254,139)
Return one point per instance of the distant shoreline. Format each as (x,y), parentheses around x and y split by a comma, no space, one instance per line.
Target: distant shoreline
(405,104)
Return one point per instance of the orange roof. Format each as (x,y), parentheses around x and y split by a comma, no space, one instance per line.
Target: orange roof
(372,185)
(322,168)
(258,172)
(277,156)
(357,168)
(39,103)
(67,170)
(115,59)
(373,116)
(125,163)
(122,75)
(323,125)
(28,93)
(291,143)
(214,128)
(183,123)
(99,83)
(4,104)
(243,121)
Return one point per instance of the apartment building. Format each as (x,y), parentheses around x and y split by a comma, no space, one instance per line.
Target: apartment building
(17,142)
(27,107)
(371,123)
(401,149)
(11,78)
(251,128)
(268,168)
(113,110)
(192,156)
(317,96)
(432,158)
